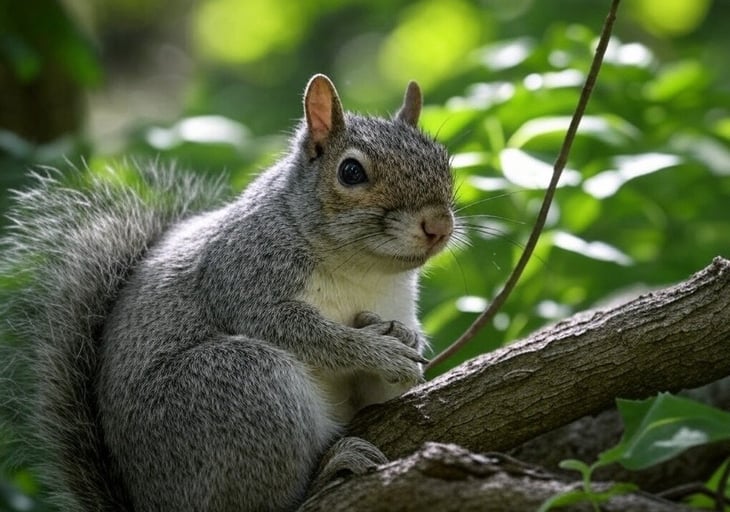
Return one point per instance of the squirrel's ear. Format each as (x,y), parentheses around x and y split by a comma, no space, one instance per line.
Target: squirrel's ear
(411,108)
(322,109)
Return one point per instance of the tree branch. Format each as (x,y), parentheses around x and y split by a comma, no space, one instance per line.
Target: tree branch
(666,340)
(447,478)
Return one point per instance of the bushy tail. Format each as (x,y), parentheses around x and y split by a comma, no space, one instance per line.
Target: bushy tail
(71,244)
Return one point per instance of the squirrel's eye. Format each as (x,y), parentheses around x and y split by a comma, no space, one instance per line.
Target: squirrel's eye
(351,172)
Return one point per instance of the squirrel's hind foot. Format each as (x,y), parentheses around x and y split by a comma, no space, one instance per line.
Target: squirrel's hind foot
(348,456)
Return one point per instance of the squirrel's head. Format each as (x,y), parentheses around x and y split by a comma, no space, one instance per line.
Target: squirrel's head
(385,189)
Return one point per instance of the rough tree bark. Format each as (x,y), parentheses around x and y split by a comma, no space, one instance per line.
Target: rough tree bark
(445,478)
(670,339)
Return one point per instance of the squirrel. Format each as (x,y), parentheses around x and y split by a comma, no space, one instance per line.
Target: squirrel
(191,353)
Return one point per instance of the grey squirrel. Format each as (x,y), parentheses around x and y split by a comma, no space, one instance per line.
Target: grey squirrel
(190,354)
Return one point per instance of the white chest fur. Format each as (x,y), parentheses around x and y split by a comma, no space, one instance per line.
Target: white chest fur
(340,297)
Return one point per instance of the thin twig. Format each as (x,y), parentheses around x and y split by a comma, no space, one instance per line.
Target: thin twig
(558,167)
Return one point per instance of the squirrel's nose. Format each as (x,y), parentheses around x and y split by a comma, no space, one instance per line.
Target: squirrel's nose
(437,229)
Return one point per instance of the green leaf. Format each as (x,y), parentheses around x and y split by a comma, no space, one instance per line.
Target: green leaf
(677,79)
(527,171)
(576,465)
(563,499)
(660,428)
(584,469)
(610,129)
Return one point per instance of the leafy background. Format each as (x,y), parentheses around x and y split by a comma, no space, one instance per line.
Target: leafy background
(216,86)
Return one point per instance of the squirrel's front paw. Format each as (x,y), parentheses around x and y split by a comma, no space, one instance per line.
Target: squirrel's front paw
(396,362)
(390,356)
(372,321)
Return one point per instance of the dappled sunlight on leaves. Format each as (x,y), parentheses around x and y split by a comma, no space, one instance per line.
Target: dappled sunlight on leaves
(607,183)
(234,31)
(432,40)
(528,172)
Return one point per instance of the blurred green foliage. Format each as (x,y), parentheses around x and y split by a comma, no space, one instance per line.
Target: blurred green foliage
(216,85)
